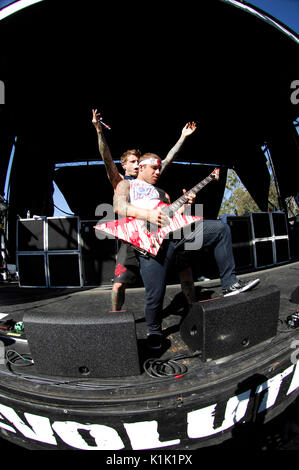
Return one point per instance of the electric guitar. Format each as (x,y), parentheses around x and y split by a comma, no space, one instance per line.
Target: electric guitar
(147,237)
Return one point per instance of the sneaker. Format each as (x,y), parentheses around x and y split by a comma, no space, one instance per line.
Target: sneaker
(154,341)
(240,286)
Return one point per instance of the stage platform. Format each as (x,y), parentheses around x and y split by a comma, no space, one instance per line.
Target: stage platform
(16,301)
(140,397)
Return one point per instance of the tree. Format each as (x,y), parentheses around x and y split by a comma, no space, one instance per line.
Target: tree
(238,201)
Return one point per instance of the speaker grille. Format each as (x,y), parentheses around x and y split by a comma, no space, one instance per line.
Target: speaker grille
(219,328)
(83,344)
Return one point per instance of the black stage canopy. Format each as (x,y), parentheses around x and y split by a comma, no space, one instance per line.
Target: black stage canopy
(149,67)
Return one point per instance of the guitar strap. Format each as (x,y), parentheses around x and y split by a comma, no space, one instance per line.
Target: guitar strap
(162,195)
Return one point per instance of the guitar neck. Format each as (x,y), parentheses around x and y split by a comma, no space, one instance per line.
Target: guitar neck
(184,198)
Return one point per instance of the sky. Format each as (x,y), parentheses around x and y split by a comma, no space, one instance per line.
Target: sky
(286,11)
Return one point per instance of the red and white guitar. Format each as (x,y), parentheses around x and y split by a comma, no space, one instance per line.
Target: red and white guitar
(147,237)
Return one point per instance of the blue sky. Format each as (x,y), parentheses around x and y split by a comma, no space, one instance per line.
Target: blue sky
(286,11)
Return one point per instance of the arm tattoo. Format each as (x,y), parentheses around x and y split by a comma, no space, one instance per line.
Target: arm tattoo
(122,205)
(172,153)
(111,169)
(121,198)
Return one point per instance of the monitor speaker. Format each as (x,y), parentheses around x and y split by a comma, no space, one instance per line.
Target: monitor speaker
(82,344)
(221,327)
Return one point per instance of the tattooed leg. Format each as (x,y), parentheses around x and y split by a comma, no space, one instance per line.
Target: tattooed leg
(187,285)
(118,296)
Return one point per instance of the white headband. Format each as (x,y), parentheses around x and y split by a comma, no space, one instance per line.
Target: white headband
(151,161)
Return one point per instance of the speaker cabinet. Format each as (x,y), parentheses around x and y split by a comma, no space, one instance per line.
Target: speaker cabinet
(279,223)
(98,256)
(240,228)
(63,233)
(30,235)
(64,270)
(261,224)
(270,238)
(84,344)
(32,270)
(221,327)
(282,250)
(48,252)
(264,253)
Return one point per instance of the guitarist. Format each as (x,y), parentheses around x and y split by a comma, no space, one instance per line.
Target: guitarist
(127,267)
(138,199)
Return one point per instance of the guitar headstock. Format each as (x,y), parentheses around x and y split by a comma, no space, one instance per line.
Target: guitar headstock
(216,173)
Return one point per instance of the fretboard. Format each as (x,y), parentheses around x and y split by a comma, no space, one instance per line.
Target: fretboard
(184,198)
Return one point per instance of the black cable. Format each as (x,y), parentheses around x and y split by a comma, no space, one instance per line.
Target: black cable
(155,368)
(158,368)
(18,360)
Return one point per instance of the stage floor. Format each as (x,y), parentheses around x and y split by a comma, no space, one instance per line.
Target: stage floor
(16,301)
(197,408)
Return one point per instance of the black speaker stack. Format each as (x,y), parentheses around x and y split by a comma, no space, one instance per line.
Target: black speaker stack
(270,238)
(62,252)
(260,239)
(65,251)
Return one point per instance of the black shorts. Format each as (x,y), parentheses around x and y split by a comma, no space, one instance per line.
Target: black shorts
(127,267)
(181,260)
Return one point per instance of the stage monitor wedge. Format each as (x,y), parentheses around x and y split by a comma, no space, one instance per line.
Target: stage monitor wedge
(222,327)
(82,344)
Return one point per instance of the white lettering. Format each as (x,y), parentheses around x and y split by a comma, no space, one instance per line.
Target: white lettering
(105,437)
(5,426)
(118,460)
(295,380)
(41,428)
(294,357)
(145,435)
(201,422)
(272,387)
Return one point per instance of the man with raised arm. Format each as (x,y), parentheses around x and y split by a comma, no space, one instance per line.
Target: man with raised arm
(127,267)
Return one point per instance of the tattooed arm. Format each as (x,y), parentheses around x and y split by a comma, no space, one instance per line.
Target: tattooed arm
(112,172)
(186,131)
(123,207)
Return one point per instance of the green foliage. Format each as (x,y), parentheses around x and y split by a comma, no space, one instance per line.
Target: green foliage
(238,200)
